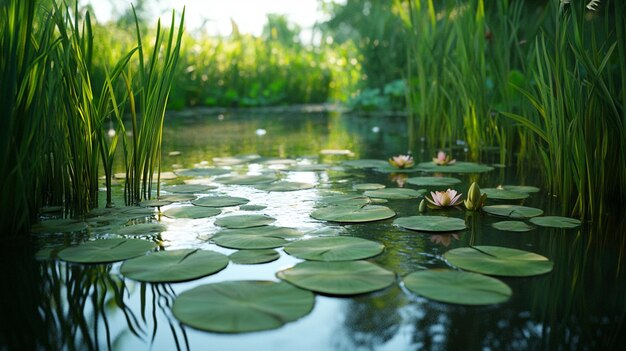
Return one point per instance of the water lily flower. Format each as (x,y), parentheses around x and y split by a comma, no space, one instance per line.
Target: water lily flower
(441,199)
(442,159)
(402,161)
(475,200)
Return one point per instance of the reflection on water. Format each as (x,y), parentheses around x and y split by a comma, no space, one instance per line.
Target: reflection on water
(580,305)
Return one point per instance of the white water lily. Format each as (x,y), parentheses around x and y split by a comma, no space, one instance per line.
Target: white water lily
(442,159)
(402,161)
(441,199)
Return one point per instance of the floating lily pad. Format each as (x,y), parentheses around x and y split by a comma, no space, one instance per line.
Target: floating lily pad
(235,160)
(202,172)
(244,221)
(502,261)
(431,223)
(192,212)
(309,168)
(368,186)
(242,306)
(142,229)
(513,211)
(521,188)
(155,203)
(266,230)
(188,188)
(555,222)
(457,167)
(174,265)
(501,194)
(252,207)
(248,242)
(512,226)
(395,193)
(284,186)
(338,248)
(433,181)
(177,197)
(59,226)
(106,250)
(457,287)
(343,200)
(247,179)
(338,278)
(220,201)
(365,163)
(254,256)
(387,168)
(353,214)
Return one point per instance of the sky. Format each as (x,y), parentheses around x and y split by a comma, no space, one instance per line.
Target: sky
(214,15)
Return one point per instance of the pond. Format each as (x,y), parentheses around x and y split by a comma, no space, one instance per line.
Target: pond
(577,303)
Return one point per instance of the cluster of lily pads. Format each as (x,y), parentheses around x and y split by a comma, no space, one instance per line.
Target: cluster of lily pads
(331,265)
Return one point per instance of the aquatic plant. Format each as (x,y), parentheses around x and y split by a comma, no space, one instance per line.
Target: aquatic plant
(402,161)
(442,159)
(443,199)
(475,200)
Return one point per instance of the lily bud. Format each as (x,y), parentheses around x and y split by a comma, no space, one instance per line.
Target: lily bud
(475,200)
(422,206)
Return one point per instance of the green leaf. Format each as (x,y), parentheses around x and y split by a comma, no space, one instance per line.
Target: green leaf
(343,200)
(368,186)
(512,226)
(365,163)
(59,226)
(338,278)
(501,194)
(457,287)
(433,181)
(284,186)
(106,250)
(266,230)
(220,201)
(242,306)
(513,211)
(202,172)
(254,256)
(244,221)
(495,260)
(187,188)
(555,222)
(155,203)
(353,214)
(249,242)
(174,266)
(252,207)
(247,179)
(142,229)
(395,193)
(191,212)
(339,248)
(457,167)
(431,223)
(521,188)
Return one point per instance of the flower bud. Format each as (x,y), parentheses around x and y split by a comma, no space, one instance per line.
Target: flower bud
(475,200)
(422,206)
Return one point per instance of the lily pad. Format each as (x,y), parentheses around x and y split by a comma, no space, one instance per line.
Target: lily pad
(174,265)
(501,261)
(244,221)
(457,287)
(202,172)
(395,193)
(247,179)
(353,214)
(155,203)
(339,248)
(284,186)
(235,160)
(431,223)
(188,188)
(513,211)
(248,242)
(365,163)
(368,186)
(457,167)
(242,306)
(142,229)
(193,212)
(106,250)
(501,194)
(178,197)
(555,222)
(512,226)
(433,181)
(521,188)
(343,200)
(338,278)
(387,168)
(59,226)
(220,201)
(252,207)
(309,168)
(266,230)
(254,256)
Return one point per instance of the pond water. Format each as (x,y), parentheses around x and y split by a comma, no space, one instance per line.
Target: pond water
(51,304)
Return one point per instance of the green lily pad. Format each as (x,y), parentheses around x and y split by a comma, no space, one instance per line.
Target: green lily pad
(188,188)
(368,186)
(431,223)
(266,230)
(513,211)
(343,200)
(457,287)
(202,172)
(501,261)
(365,163)
(555,222)
(387,168)
(106,250)
(247,179)
(309,168)
(252,207)
(501,194)
(248,242)
(284,186)
(177,197)
(254,256)
(220,201)
(457,167)
(353,214)
(339,248)
(512,226)
(174,266)
(242,306)
(59,226)
(395,193)
(338,278)
(154,203)
(235,160)
(521,188)
(142,229)
(433,181)
(192,212)
(244,221)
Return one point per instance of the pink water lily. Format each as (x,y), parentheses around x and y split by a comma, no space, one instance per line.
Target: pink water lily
(442,159)
(402,161)
(441,199)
